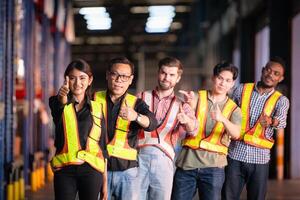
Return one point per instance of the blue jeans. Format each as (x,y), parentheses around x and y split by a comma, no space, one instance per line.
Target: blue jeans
(122,184)
(156,171)
(238,173)
(208,181)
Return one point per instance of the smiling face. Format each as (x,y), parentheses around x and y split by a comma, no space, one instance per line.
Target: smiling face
(272,74)
(168,77)
(79,82)
(119,78)
(223,82)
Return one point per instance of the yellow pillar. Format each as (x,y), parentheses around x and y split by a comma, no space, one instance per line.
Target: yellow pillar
(280,154)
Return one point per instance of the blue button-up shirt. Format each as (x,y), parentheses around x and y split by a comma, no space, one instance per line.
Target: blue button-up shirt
(241,151)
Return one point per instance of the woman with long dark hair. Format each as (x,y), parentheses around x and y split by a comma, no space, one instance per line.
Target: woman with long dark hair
(79,164)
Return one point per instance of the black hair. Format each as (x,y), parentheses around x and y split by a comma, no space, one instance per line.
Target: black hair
(226,66)
(278,60)
(171,62)
(122,60)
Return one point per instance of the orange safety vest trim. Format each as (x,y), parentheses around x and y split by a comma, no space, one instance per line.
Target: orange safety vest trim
(213,141)
(162,136)
(72,152)
(118,146)
(256,135)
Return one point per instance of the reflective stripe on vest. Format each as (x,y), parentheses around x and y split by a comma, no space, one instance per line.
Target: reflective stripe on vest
(256,135)
(119,146)
(213,141)
(161,137)
(72,152)
(201,112)
(245,102)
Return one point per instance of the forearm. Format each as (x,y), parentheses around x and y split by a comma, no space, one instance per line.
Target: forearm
(143,120)
(234,130)
(191,127)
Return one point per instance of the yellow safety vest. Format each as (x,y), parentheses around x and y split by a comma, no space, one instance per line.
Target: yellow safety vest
(162,136)
(119,146)
(72,152)
(212,142)
(256,135)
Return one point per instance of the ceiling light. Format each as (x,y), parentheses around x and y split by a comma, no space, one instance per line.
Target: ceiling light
(160,19)
(92,10)
(97,18)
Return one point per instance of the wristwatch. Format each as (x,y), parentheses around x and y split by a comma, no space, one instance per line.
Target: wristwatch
(138,117)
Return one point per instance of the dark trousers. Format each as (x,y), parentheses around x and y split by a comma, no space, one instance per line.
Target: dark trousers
(239,174)
(77,178)
(208,181)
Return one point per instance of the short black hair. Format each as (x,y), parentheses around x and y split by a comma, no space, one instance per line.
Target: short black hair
(279,60)
(122,60)
(226,66)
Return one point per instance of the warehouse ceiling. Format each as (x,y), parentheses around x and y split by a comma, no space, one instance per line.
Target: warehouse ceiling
(127,35)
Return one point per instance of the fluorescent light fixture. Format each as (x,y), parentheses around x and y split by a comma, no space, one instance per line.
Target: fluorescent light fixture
(98,15)
(157,30)
(103,21)
(97,18)
(159,22)
(161,10)
(99,27)
(92,10)
(160,19)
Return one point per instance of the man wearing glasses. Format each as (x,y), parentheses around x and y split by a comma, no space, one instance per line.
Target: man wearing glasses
(124,115)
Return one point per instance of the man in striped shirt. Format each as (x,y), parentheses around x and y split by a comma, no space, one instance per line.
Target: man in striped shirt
(263,110)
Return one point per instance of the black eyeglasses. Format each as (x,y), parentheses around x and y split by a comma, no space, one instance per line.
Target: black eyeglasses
(115,76)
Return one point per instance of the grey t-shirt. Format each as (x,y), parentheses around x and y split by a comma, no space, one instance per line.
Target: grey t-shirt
(189,159)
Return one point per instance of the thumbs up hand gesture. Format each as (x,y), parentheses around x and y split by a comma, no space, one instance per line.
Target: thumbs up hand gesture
(127,112)
(181,116)
(216,113)
(63,91)
(265,121)
(188,95)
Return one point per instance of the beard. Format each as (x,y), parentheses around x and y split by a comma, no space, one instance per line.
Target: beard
(264,85)
(165,85)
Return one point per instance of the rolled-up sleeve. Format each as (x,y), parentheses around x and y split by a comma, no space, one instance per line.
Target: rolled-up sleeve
(281,111)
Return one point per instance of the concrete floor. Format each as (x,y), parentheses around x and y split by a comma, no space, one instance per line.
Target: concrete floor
(277,190)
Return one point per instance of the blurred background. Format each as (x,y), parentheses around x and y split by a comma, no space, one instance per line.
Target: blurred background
(38,38)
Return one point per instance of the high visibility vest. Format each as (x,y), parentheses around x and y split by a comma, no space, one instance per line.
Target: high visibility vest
(162,136)
(72,152)
(118,146)
(256,135)
(212,142)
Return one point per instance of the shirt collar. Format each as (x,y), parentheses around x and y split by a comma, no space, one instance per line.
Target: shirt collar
(72,99)
(155,93)
(266,93)
(210,98)
(119,100)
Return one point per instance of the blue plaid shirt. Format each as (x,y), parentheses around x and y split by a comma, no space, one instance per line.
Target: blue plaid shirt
(241,151)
